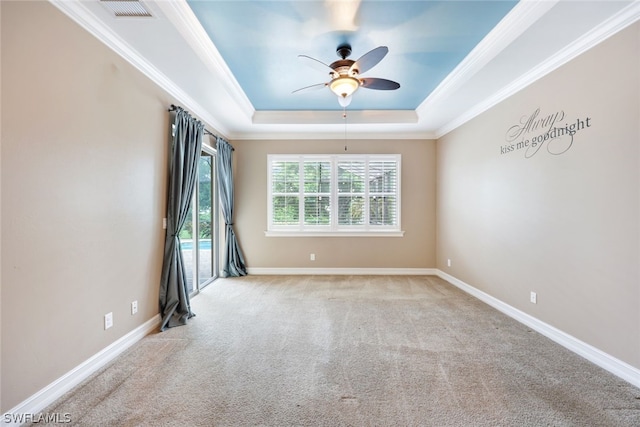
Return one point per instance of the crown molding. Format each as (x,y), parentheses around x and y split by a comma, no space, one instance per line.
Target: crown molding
(79,13)
(611,26)
(522,16)
(324,135)
(336,117)
(184,20)
(300,125)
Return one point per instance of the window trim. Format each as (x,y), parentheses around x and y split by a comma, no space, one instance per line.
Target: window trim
(332,229)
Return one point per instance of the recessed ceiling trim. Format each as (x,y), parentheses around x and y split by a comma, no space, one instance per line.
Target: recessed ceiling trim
(627,16)
(91,16)
(79,13)
(335,117)
(182,17)
(337,136)
(522,16)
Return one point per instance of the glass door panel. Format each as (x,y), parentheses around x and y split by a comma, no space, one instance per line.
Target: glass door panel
(206,228)
(186,246)
(198,237)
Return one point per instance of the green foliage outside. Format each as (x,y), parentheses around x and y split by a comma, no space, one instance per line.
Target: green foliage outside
(205,218)
(317,193)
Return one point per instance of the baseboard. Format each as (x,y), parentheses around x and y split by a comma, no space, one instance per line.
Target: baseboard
(345,271)
(592,354)
(52,392)
(45,397)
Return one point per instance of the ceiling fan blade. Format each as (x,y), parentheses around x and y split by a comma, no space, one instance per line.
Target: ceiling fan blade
(369,59)
(379,84)
(312,87)
(316,63)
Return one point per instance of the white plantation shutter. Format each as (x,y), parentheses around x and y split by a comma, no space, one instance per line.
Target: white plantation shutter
(383,188)
(334,194)
(317,192)
(351,192)
(285,190)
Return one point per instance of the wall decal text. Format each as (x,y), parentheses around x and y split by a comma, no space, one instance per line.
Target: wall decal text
(536,130)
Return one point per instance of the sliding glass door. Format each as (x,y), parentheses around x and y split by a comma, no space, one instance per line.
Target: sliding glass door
(207,230)
(199,236)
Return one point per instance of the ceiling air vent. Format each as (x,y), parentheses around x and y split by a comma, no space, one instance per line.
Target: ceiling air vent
(126,8)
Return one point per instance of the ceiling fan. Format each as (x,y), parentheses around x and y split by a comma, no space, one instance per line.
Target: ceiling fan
(345,73)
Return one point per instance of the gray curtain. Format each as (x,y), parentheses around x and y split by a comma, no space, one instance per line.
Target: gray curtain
(175,307)
(233,264)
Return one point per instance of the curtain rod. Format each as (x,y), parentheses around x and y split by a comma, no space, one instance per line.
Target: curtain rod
(206,131)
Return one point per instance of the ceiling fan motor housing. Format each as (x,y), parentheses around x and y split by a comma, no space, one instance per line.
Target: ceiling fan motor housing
(344,50)
(341,67)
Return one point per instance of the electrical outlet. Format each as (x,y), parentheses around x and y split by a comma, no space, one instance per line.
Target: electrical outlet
(108,321)
(533,298)
(134,307)
(448,262)
(312,257)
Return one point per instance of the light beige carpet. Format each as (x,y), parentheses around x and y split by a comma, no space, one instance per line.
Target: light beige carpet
(348,351)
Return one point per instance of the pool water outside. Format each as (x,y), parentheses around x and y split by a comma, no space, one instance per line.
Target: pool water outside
(205,262)
(188,245)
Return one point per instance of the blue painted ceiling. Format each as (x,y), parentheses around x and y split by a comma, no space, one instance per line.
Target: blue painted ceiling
(260,42)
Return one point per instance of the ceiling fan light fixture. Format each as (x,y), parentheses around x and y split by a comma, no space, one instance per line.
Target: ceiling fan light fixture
(344,86)
(345,73)
(344,101)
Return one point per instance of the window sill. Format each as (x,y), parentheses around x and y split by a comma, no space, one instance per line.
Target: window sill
(386,233)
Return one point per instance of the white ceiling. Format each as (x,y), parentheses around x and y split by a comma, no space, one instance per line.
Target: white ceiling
(175,51)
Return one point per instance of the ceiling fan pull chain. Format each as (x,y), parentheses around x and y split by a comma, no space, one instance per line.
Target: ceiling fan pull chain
(344,116)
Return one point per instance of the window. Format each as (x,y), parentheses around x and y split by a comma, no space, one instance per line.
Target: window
(334,195)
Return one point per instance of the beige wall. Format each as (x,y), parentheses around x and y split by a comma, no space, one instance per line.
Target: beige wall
(415,250)
(84,143)
(567,225)
(83,161)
